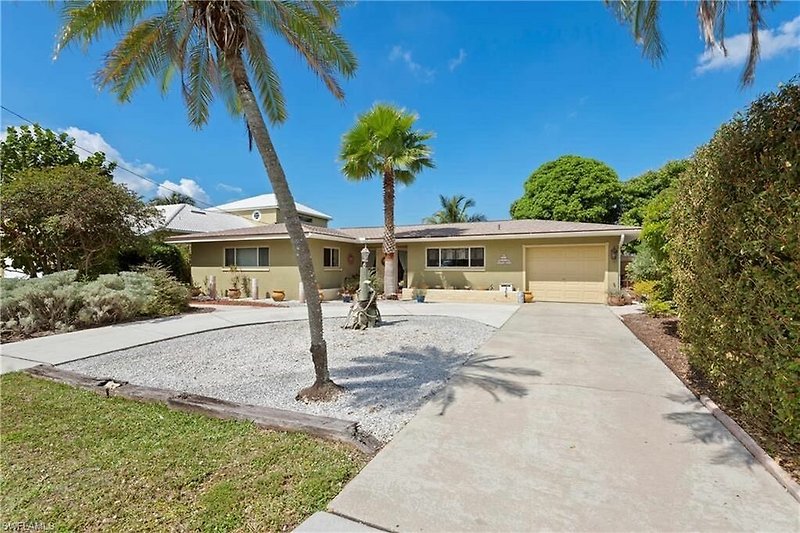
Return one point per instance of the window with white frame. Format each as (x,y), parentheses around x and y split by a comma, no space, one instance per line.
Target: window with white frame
(330,257)
(470,257)
(247,257)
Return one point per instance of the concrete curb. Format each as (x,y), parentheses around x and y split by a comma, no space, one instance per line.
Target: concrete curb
(758,453)
(752,446)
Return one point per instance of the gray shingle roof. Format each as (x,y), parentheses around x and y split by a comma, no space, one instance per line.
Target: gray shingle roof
(184,218)
(512,228)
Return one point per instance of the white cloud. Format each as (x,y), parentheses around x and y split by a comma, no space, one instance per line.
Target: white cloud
(229,188)
(457,61)
(187,186)
(94,142)
(398,53)
(772,43)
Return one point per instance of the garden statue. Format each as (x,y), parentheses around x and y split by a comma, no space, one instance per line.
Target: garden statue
(364,311)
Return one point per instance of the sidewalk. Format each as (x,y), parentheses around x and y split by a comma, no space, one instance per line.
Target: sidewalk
(65,347)
(566,422)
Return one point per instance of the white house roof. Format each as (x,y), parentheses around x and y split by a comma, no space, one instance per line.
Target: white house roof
(185,218)
(267,201)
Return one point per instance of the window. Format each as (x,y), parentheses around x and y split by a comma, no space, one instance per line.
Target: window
(330,257)
(247,257)
(455,257)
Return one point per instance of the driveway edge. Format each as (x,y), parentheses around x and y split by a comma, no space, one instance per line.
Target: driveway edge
(752,446)
(758,453)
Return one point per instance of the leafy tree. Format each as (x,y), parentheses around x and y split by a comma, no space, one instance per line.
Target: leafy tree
(571,188)
(639,191)
(642,16)
(36,147)
(68,217)
(383,143)
(216,48)
(173,198)
(454,209)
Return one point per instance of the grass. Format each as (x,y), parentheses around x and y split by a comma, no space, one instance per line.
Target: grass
(75,461)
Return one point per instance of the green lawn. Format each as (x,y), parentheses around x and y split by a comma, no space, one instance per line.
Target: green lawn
(77,461)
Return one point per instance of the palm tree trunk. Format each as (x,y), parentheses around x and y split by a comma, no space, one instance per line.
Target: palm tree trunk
(323,388)
(389,244)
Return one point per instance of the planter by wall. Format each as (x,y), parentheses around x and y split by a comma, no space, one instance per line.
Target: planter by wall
(528,295)
(278,296)
(234,294)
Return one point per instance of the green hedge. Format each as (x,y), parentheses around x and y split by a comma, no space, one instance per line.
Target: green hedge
(735,251)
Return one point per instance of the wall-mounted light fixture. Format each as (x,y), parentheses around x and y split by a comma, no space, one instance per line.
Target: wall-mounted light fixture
(614,253)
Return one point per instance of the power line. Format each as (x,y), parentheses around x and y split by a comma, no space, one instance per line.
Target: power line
(134,173)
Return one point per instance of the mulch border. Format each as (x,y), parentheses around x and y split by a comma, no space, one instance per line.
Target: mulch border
(758,453)
(345,431)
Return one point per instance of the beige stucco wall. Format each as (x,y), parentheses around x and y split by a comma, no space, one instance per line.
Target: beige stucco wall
(273,216)
(208,259)
(493,273)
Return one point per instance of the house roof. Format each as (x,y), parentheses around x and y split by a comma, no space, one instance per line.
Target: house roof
(423,232)
(185,218)
(267,201)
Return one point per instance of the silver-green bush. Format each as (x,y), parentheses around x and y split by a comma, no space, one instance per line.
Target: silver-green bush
(60,302)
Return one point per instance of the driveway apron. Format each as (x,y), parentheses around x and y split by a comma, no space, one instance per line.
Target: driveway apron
(564,421)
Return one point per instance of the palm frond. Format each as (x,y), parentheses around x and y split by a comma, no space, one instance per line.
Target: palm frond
(266,79)
(85,20)
(641,16)
(199,79)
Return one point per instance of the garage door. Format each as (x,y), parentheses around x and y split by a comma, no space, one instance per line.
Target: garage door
(567,273)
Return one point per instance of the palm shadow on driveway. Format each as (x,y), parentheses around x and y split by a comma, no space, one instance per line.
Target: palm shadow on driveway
(388,380)
(706,429)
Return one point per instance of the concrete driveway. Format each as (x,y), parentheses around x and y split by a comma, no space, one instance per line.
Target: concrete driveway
(565,421)
(62,348)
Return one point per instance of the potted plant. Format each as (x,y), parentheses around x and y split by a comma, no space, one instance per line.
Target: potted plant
(234,292)
(278,295)
(618,297)
(418,294)
(195,290)
(349,288)
(527,296)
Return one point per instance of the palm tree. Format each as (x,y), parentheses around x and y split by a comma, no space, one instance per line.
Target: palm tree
(173,198)
(383,143)
(642,17)
(217,48)
(454,209)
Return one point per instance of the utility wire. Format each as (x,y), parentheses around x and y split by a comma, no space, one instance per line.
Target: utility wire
(140,176)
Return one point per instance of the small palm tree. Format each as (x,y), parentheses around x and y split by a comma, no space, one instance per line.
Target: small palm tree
(173,198)
(383,143)
(216,48)
(642,17)
(454,209)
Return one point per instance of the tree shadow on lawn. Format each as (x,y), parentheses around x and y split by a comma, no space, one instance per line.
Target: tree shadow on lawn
(706,429)
(405,379)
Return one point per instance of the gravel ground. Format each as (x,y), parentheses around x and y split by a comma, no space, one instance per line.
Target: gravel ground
(389,371)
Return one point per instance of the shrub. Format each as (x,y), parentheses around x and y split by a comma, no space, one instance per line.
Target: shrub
(149,251)
(645,289)
(735,251)
(168,297)
(659,308)
(49,303)
(59,302)
(644,266)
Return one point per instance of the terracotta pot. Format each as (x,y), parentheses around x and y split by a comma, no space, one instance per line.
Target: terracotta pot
(234,294)
(195,292)
(321,295)
(278,296)
(528,296)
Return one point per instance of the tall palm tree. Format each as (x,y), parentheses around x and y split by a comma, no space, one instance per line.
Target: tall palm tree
(217,48)
(642,17)
(454,209)
(383,143)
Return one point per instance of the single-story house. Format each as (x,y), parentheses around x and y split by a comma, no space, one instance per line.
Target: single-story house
(557,261)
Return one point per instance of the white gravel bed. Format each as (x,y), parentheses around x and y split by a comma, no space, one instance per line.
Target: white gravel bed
(389,371)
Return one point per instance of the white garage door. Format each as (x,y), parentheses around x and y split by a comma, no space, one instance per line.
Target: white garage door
(567,273)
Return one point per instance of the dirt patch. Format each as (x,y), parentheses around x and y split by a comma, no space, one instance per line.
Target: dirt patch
(661,336)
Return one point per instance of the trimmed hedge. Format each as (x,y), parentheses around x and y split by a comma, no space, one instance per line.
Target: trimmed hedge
(735,251)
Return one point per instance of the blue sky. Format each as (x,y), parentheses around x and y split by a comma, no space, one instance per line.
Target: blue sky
(504,86)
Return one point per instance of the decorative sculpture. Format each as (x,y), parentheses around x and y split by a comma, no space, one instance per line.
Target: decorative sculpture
(364,312)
